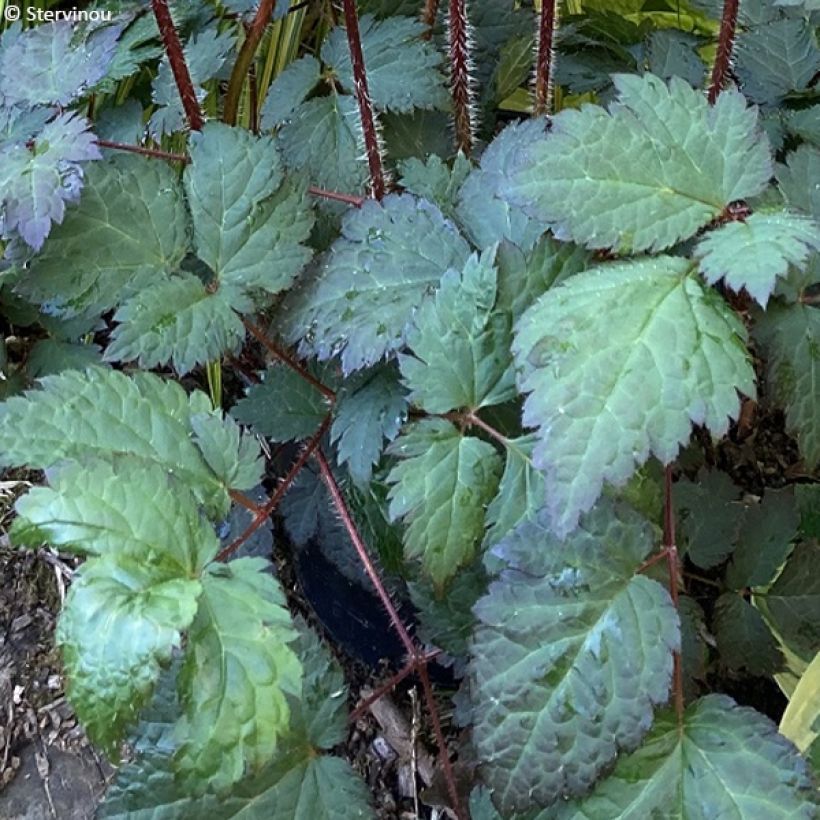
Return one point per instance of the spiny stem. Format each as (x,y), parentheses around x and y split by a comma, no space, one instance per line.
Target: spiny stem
(726,43)
(176,58)
(286,358)
(244,59)
(263,513)
(543,61)
(428,17)
(460,75)
(371,137)
(671,550)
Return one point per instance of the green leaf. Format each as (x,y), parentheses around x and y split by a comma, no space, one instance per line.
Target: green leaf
(460,344)
(124,508)
(791,605)
(51,356)
(789,336)
(233,454)
(440,487)
(804,123)
(248,223)
(693,649)
(365,418)
(129,227)
(402,68)
(326,127)
(104,414)
(237,671)
(797,177)
(776,58)
(360,303)
(726,760)
(801,720)
(744,642)
(571,653)
(764,540)
(284,406)
(606,395)
(434,180)
(178,321)
(289,90)
(674,53)
(520,492)
(656,168)
(754,253)
(122,618)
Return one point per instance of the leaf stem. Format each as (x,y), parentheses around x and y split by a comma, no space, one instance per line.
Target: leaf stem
(458,43)
(176,58)
(371,137)
(671,549)
(428,17)
(139,149)
(349,199)
(244,59)
(544,57)
(726,42)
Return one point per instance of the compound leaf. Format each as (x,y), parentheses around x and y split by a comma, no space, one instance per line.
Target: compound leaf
(606,395)
(655,168)
(233,454)
(460,344)
(284,406)
(755,252)
(725,760)
(440,487)
(571,652)
(237,671)
(402,68)
(129,227)
(359,304)
(790,338)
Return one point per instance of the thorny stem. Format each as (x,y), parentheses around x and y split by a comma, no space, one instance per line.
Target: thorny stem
(671,550)
(176,58)
(460,74)
(726,42)
(371,137)
(543,61)
(245,58)
(264,512)
(428,17)
(287,359)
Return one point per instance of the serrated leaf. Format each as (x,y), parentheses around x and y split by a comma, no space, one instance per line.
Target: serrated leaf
(804,123)
(440,487)
(672,53)
(797,177)
(606,395)
(520,492)
(50,356)
(104,414)
(460,344)
(248,223)
(364,419)
(326,127)
(744,642)
(755,252)
(482,210)
(284,406)
(654,169)
(434,180)
(129,227)
(693,649)
(121,620)
(763,541)
(360,303)
(232,453)
(791,605)
(776,58)
(58,63)
(725,760)
(237,671)
(402,68)
(123,508)
(571,652)
(289,90)
(38,181)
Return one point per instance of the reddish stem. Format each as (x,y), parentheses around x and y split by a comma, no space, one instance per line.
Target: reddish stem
(371,137)
(147,152)
(543,62)
(428,17)
(671,549)
(726,42)
(244,501)
(349,199)
(457,40)
(287,359)
(264,512)
(176,57)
